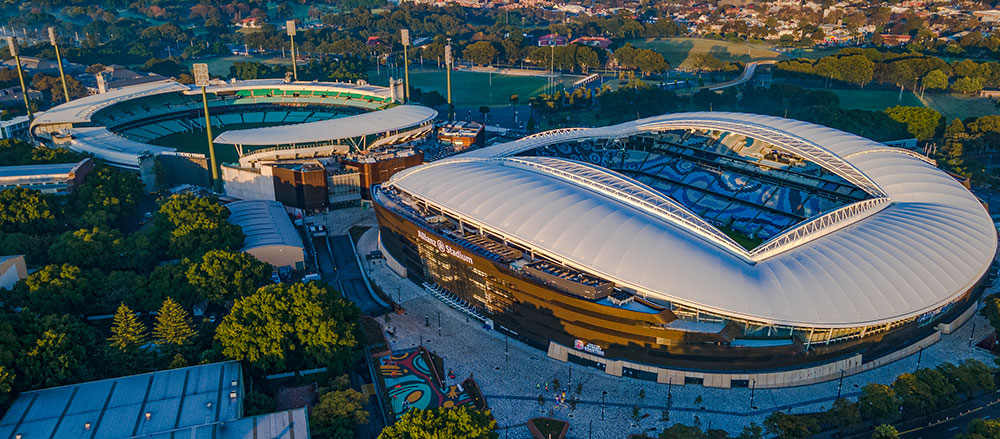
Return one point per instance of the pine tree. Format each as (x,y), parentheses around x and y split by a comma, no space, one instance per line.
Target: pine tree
(127,332)
(173,324)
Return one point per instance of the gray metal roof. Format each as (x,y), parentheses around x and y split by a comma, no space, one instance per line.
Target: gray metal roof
(52,169)
(116,408)
(264,223)
(392,119)
(80,110)
(923,244)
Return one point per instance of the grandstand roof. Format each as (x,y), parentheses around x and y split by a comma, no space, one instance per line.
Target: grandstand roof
(396,118)
(373,90)
(80,110)
(111,147)
(922,244)
(264,223)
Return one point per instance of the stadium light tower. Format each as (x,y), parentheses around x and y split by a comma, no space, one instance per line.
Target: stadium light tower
(404,36)
(16,53)
(447,66)
(290,27)
(200,71)
(62,75)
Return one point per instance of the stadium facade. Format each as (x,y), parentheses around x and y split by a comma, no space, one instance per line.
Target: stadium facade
(716,248)
(266,121)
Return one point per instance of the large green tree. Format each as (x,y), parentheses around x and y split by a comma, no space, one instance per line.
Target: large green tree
(127,332)
(173,324)
(982,429)
(88,248)
(25,210)
(195,225)
(105,197)
(924,392)
(56,352)
(337,412)
(921,122)
(288,324)
(878,403)
(785,426)
(222,275)
(55,289)
(454,423)
(480,53)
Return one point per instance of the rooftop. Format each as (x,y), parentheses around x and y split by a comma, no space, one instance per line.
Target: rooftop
(392,119)
(53,169)
(264,223)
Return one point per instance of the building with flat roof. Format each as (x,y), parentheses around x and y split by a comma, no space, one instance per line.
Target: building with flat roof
(14,127)
(12,269)
(461,134)
(54,178)
(309,185)
(198,402)
(270,235)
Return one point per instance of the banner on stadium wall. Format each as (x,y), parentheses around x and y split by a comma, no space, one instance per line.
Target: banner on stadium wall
(590,348)
(443,247)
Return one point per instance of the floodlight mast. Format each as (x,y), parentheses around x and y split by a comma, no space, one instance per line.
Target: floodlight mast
(290,28)
(53,38)
(447,66)
(16,53)
(201,79)
(404,36)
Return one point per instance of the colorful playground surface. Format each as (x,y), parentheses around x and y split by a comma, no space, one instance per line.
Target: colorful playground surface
(410,383)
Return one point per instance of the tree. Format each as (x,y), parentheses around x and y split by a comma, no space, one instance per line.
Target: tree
(337,412)
(587,59)
(885,431)
(168,280)
(924,392)
(55,352)
(222,275)
(55,289)
(105,197)
(173,324)
(681,431)
(752,431)
(921,122)
(127,332)
(480,53)
(967,85)
(982,429)
(935,80)
(88,248)
(969,377)
(280,323)
(955,129)
(249,70)
(878,403)
(195,225)
(786,426)
(454,423)
(25,210)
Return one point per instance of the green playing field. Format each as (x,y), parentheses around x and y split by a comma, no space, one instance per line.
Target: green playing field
(474,88)
(678,51)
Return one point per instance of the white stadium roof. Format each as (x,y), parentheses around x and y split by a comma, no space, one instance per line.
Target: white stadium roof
(80,110)
(392,119)
(264,223)
(921,242)
(111,147)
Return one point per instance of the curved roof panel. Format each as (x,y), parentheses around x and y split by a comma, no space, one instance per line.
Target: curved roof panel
(392,119)
(929,242)
(264,223)
(80,110)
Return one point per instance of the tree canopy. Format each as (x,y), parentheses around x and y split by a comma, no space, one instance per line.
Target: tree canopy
(290,324)
(455,423)
(222,275)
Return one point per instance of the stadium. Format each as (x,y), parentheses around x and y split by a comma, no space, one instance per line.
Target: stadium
(253,121)
(722,249)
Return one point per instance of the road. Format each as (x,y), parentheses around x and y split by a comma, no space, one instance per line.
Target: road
(747,74)
(954,426)
(339,267)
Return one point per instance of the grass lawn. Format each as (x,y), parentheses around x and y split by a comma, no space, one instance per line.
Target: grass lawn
(955,105)
(678,51)
(874,100)
(220,65)
(473,88)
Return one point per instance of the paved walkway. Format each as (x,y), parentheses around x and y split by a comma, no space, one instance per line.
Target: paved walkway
(512,375)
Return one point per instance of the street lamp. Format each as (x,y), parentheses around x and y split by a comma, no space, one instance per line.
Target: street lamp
(840,385)
(753,387)
(447,65)
(603,394)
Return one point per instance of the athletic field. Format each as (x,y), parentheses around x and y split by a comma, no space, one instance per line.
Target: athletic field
(474,88)
(197,141)
(678,51)
(952,105)
(874,100)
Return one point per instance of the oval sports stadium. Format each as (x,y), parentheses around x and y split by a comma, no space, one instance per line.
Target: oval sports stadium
(711,248)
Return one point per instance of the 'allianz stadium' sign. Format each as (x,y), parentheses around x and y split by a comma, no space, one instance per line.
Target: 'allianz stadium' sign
(588,347)
(444,248)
